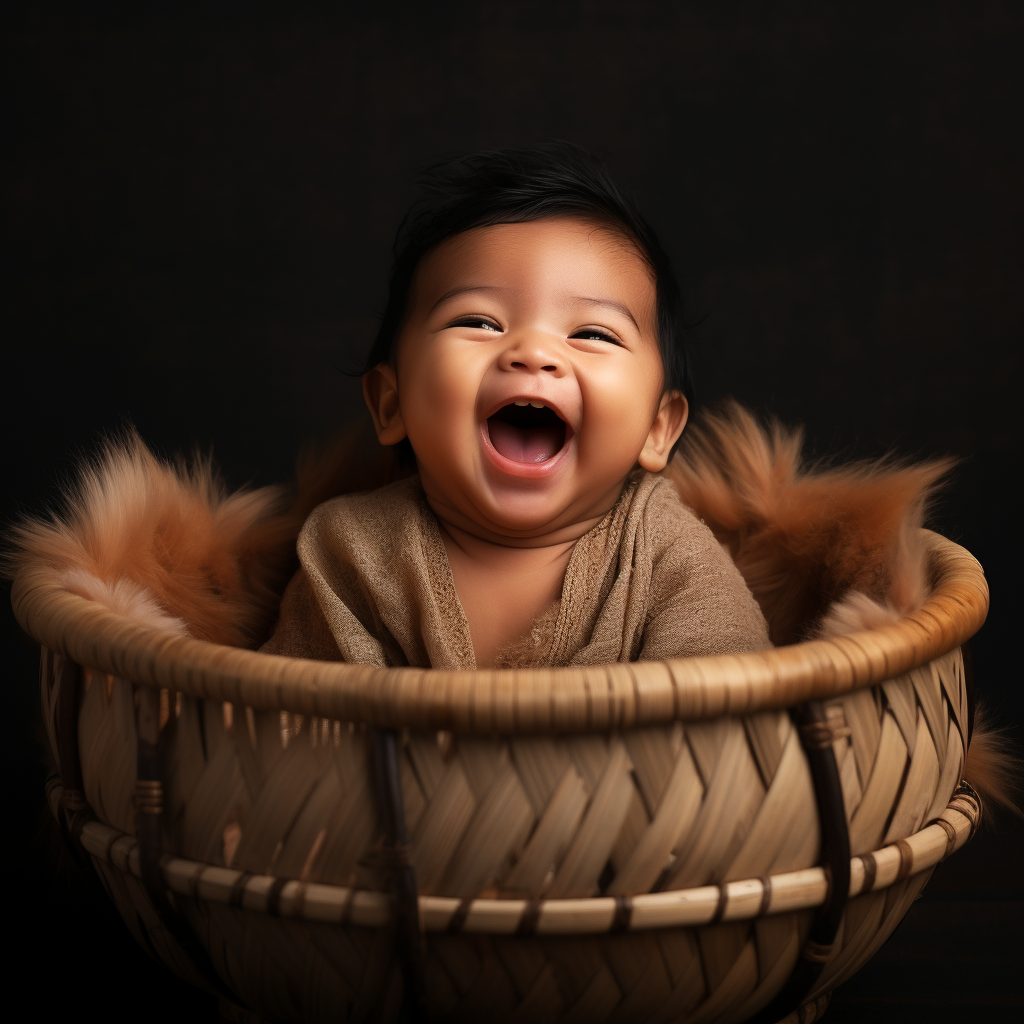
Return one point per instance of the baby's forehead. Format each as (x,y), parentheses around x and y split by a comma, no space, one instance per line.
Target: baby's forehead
(528,236)
(578,255)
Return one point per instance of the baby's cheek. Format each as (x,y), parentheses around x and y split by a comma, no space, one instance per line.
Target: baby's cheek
(446,398)
(623,413)
(439,398)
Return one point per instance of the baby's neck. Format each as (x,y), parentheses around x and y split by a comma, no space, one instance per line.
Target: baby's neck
(505,583)
(498,554)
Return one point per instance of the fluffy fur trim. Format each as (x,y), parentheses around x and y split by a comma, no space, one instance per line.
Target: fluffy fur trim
(167,544)
(853,613)
(124,597)
(805,537)
(994,766)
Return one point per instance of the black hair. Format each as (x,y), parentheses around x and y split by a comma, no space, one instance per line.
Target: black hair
(516,185)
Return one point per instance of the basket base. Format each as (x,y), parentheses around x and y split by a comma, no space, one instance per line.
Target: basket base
(231,1013)
(809,1012)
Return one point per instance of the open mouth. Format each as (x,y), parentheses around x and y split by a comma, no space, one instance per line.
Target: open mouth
(525,433)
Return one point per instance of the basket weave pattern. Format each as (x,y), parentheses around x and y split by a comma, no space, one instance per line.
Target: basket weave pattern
(561,827)
(656,808)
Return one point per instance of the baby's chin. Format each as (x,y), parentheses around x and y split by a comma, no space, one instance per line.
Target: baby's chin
(514,515)
(551,517)
(526,524)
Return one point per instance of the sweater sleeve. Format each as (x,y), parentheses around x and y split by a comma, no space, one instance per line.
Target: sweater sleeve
(700,604)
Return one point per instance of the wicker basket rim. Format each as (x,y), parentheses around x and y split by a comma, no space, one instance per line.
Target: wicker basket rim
(593,698)
(741,900)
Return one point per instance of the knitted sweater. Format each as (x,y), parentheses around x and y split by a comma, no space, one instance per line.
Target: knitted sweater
(648,582)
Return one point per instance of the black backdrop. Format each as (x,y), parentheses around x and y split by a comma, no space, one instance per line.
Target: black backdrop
(200,210)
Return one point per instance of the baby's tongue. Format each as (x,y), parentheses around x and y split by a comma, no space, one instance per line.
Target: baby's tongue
(524,444)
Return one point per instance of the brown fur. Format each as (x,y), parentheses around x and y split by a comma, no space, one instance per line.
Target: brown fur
(994,767)
(124,596)
(803,537)
(209,558)
(354,462)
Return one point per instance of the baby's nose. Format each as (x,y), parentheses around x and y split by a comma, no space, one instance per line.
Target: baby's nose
(533,352)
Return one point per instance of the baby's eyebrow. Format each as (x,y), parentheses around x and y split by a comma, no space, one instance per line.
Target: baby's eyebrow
(581,300)
(466,288)
(574,300)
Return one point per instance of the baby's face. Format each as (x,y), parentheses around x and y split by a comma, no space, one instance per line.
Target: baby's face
(557,313)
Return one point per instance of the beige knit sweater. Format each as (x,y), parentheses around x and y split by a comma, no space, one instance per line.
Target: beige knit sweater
(647,582)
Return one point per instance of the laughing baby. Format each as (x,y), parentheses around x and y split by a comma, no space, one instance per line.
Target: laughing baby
(530,368)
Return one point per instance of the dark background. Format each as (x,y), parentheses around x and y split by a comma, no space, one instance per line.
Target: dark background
(200,209)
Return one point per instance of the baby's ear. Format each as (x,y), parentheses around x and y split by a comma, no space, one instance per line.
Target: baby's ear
(665,431)
(380,390)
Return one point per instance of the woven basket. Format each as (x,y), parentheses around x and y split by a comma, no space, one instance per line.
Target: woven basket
(707,839)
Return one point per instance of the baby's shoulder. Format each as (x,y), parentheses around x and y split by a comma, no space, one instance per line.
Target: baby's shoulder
(681,545)
(698,600)
(669,522)
(385,511)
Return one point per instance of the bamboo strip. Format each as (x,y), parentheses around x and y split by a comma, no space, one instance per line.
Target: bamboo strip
(526,701)
(734,901)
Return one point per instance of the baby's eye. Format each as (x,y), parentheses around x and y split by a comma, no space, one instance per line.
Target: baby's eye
(482,323)
(593,334)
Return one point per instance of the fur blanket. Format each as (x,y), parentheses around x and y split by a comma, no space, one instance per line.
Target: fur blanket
(825,550)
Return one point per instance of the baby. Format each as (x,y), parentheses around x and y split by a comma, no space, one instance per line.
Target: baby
(530,367)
